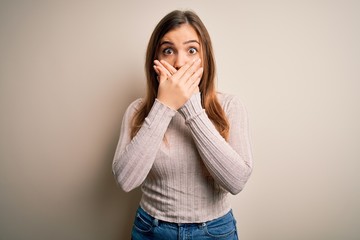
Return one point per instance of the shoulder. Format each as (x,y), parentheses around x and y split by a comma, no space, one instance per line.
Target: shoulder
(230,102)
(136,103)
(225,97)
(134,106)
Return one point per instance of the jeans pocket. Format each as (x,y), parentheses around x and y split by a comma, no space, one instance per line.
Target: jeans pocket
(141,224)
(221,229)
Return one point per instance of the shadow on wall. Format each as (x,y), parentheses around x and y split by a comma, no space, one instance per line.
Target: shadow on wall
(118,206)
(129,203)
(125,204)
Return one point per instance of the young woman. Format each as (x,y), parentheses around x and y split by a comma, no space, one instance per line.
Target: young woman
(186,145)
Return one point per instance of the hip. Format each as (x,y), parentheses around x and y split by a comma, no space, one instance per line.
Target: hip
(147,227)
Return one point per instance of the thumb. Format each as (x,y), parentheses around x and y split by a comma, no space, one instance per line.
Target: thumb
(162,76)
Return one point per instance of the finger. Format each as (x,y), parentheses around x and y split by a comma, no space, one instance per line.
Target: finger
(190,71)
(194,88)
(184,68)
(156,70)
(194,71)
(161,66)
(169,67)
(197,75)
(160,69)
(162,76)
(194,76)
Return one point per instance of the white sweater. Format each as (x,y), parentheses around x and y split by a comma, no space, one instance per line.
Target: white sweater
(184,166)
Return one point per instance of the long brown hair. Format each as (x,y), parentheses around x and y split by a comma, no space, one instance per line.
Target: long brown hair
(207,85)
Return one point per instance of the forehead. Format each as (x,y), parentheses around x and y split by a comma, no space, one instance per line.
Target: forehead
(183,33)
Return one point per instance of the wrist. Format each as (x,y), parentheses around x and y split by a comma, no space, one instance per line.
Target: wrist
(192,107)
(167,104)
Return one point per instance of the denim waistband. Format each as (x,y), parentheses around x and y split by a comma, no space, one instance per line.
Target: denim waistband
(156,221)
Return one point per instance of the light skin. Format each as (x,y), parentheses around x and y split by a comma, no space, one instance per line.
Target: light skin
(178,66)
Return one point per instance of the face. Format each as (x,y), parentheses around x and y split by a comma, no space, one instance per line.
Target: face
(179,46)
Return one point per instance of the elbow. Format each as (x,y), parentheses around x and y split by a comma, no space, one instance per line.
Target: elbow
(239,185)
(235,190)
(124,183)
(126,188)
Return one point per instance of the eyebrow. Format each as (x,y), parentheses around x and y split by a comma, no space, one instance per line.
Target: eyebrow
(191,41)
(186,42)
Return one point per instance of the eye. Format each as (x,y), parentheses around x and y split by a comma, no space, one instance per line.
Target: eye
(168,51)
(193,50)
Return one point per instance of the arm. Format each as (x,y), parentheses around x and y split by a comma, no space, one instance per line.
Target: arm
(230,163)
(134,157)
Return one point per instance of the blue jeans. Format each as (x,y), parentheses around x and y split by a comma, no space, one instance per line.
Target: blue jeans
(147,227)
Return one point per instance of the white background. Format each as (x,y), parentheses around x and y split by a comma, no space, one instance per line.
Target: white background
(69,69)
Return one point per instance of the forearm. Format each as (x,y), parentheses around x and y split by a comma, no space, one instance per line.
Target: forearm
(229,167)
(134,159)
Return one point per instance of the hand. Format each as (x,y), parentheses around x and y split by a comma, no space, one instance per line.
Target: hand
(177,86)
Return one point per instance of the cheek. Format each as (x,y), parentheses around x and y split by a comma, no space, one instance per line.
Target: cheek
(170,59)
(201,56)
(195,56)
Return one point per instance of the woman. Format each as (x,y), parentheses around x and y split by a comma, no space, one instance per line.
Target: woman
(186,145)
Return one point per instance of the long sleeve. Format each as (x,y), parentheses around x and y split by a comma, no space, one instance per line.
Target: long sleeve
(230,163)
(134,157)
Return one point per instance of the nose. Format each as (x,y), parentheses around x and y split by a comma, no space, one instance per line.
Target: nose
(181,60)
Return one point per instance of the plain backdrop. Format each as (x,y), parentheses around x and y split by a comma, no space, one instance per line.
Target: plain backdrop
(69,69)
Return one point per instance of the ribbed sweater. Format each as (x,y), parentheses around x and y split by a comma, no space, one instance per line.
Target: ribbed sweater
(184,166)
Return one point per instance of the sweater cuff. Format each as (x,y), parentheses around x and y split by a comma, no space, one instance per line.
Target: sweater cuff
(159,113)
(192,108)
